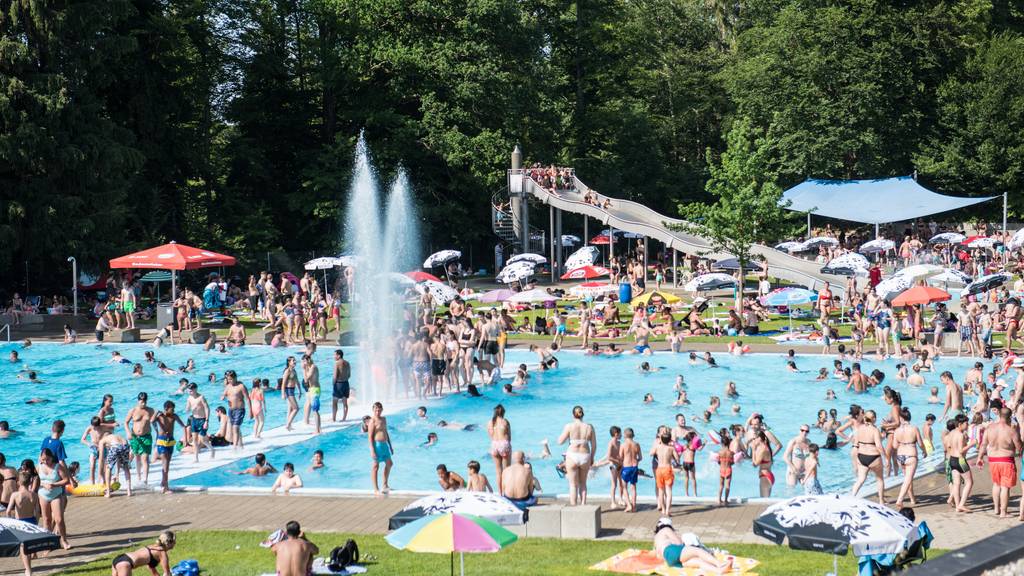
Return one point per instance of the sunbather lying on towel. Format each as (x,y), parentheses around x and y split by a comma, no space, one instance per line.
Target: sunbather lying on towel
(669,545)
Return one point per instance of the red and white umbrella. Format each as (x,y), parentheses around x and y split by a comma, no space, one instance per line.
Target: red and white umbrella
(586,273)
(601,239)
(593,289)
(421,276)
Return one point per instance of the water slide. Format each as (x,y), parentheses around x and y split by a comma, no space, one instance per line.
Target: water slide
(639,219)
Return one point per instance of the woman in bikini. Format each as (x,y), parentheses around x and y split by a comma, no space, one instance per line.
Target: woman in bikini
(150,556)
(468,338)
(289,388)
(908,440)
(579,455)
(761,457)
(867,441)
(500,432)
(889,424)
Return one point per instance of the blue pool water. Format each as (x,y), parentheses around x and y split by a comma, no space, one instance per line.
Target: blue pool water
(611,391)
(74,379)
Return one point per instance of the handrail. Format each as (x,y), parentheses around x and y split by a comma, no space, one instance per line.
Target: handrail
(7,328)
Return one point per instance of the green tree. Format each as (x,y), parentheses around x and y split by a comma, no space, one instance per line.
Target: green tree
(747,208)
(65,166)
(977,146)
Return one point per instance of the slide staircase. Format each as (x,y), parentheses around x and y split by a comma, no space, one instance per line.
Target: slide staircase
(633,217)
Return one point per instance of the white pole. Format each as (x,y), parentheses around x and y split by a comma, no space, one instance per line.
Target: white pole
(74,283)
(174,292)
(876,231)
(808,225)
(1005,253)
(611,244)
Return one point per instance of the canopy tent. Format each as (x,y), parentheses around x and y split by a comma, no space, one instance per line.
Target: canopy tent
(875,201)
(173,256)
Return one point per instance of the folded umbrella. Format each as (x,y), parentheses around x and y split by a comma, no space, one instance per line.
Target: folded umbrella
(14,534)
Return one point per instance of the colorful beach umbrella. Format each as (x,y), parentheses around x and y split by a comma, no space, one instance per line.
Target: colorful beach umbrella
(921,295)
(789,297)
(493,507)
(646,298)
(450,533)
(586,273)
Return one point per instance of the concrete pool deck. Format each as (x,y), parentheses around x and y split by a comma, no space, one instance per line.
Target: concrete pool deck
(138,519)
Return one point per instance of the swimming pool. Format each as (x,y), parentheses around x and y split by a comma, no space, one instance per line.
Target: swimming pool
(611,392)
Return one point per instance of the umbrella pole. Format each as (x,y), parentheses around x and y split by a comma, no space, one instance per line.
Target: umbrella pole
(462,563)
(453,563)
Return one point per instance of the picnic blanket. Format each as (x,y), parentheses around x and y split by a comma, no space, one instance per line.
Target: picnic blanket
(633,561)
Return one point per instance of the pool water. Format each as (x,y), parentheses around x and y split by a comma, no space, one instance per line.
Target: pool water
(611,391)
(75,378)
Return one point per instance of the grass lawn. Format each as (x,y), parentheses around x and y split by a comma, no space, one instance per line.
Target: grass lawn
(229,553)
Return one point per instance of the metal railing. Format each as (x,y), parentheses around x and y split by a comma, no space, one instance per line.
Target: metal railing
(6,328)
(503,225)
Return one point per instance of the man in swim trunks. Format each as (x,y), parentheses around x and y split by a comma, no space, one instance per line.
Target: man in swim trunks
(642,334)
(489,334)
(954,395)
(1002,443)
(518,482)
(236,335)
(294,553)
(114,451)
(140,435)
(380,447)
(165,441)
(419,353)
(664,474)
(200,411)
(237,396)
(341,392)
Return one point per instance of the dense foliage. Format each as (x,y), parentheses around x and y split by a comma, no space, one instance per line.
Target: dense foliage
(231,123)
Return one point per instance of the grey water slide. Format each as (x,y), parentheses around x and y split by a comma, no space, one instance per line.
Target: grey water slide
(633,217)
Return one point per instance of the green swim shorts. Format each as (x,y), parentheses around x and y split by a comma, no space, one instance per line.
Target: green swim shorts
(141,444)
(128,307)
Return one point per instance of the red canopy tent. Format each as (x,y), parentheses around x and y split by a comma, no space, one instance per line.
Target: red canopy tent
(173,257)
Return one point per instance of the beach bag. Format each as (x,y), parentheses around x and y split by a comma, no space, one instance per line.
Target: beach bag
(344,556)
(186,568)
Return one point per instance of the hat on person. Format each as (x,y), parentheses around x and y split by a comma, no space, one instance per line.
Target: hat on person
(663,522)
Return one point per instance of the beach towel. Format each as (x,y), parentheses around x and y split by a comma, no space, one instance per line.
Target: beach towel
(633,561)
(320,569)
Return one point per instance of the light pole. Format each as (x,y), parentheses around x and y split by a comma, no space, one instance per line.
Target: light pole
(74,283)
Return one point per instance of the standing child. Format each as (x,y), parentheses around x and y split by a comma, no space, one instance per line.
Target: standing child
(256,399)
(165,441)
(613,459)
(811,485)
(926,434)
(664,475)
(24,506)
(688,452)
(725,462)
(858,342)
(91,438)
(630,454)
(826,338)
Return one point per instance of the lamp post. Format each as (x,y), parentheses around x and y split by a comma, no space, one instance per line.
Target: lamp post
(74,283)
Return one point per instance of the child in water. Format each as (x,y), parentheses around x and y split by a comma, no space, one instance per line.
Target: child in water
(934,398)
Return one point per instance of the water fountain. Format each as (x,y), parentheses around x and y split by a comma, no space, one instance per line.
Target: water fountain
(380,250)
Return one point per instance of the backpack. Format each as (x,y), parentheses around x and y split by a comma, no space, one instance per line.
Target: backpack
(344,556)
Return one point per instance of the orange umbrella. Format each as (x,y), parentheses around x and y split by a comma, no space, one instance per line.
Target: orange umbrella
(921,295)
(173,256)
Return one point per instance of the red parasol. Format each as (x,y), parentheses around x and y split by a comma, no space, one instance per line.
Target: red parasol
(921,295)
(601,239)
(421,276)
(586,273)
(173,257)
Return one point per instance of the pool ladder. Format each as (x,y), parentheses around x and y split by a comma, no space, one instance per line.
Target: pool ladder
(6,328)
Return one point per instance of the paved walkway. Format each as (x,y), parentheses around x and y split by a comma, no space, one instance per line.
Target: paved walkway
(141,517)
